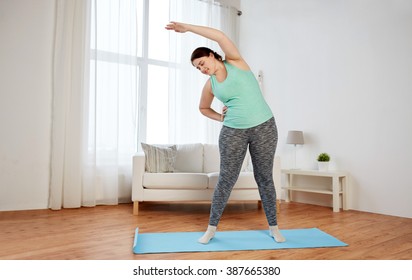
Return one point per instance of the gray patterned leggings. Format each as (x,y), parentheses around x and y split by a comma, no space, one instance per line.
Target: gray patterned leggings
(233,144)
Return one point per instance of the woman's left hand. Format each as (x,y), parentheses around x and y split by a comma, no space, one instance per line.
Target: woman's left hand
(224,110)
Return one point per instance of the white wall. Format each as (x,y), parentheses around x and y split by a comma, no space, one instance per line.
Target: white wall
(341,71)
(26,32)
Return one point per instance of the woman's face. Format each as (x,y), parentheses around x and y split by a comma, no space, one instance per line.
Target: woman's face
(205,64)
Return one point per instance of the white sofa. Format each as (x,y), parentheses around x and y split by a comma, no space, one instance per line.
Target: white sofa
(195,174)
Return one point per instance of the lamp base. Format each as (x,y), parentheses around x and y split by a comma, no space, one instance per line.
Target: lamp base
(294,160)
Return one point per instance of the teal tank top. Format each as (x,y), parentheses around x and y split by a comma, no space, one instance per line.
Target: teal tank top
(241,93)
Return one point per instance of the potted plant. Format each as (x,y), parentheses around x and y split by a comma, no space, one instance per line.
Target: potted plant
(323,162)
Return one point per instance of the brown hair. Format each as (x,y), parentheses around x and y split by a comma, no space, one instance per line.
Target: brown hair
(204,51)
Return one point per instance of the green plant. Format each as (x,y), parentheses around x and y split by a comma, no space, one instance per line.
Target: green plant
(323,157)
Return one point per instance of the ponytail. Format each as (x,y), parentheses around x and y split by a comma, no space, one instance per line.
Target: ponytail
(204,51)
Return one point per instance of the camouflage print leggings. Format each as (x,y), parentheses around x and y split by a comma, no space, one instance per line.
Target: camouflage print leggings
(233,144)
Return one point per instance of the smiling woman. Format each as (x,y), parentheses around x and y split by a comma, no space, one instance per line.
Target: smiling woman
(248,123)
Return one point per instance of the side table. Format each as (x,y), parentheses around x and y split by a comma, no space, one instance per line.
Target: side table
(338,186)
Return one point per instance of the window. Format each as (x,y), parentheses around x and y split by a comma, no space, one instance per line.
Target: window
(141,79)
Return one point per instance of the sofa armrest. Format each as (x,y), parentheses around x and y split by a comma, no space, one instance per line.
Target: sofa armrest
(137,180)
(277,176)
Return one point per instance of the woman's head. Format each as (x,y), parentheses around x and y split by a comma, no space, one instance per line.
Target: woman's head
(204,58)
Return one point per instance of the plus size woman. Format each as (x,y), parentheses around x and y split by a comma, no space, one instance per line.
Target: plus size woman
(248,122)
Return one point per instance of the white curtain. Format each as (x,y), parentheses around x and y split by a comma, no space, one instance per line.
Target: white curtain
(95,102)
(112,111)
(186,83)
(70,68)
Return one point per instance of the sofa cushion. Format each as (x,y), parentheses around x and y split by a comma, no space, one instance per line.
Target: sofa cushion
(245,180)
(159,158)
(247,163)
(175,180)
(189,158)
(212,159)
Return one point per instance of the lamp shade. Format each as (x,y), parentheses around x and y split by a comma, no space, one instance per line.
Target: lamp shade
(295,137)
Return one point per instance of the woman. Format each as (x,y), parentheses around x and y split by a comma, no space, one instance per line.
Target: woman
(247,122)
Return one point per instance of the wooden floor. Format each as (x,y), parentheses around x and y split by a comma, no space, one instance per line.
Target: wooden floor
(106,232)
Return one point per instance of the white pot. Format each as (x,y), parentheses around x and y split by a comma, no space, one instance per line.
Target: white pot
(323,165)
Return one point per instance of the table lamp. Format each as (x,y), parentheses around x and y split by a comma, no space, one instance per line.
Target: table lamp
(295,137)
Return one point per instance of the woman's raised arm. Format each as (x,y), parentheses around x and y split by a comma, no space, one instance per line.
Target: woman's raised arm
(227,46)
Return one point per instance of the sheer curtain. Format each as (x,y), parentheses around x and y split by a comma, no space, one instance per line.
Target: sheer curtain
(186,83)
(95,99)
(113,103)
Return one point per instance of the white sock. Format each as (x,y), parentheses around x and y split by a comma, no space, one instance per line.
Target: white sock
(275,233)
(209,234)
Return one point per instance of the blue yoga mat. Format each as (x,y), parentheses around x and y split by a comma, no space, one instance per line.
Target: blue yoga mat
(169,242)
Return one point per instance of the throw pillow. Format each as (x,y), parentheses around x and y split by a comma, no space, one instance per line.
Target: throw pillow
(159,159)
